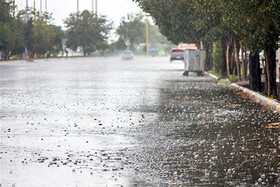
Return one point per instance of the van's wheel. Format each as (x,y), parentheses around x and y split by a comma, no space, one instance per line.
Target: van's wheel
(199,73)
(186,73)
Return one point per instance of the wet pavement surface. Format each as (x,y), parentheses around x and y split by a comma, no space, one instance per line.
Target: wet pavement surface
(108,122)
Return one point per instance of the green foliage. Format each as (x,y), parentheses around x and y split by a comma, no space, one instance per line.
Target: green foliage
(5,26)
(41,37)
(132,31)
(170,20)
(224,81)
(217,74)
(36,34)
(188,21)
(255,23)
(233,78)
(18,42)
(118,45)
(88,31)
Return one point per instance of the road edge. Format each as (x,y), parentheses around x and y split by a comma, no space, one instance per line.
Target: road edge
(211,75)
(271,103)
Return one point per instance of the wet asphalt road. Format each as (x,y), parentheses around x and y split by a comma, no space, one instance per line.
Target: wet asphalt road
(108,122)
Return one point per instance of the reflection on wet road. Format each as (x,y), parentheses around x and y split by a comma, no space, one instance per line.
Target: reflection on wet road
(108,122)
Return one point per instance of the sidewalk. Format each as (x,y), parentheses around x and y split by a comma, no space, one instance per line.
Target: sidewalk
(270,103)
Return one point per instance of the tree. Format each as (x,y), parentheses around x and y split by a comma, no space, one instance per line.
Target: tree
(132,31)
(257,23)
(184,21)
(46,38)
(252,25)
(18,28)
(118,45)
(5,28)
(36,33)
(88,31)
(172,23)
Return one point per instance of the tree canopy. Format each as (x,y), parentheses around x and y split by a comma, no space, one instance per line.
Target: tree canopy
(88,31)
(193,21)
(132,30)
(34,33)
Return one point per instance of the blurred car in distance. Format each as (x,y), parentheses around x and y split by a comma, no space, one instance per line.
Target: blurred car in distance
(127,55)
(176,54)
(153,51)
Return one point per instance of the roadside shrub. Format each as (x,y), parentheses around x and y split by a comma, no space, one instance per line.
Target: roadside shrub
(233,78)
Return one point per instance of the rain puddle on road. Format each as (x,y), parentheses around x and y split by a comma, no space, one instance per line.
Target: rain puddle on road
(62,161)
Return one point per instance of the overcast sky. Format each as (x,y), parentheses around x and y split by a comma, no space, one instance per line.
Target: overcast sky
(114,9)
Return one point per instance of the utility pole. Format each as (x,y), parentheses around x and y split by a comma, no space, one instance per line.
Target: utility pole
(34,9)
(96,7)
(14,8)
(46,5)
(92,5)
(26,19)
(77,5)
(147,36)
(40,7)
(26,11)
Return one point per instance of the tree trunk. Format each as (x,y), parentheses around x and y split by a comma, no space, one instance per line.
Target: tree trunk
(255,72)
(264,63)
(231,58)
(208,63)
(224,58)
(84,51)
(236,58)
(244,64)
(270,68)
(228,58)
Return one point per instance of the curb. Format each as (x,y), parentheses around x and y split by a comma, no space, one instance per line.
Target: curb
(273,104)
(211,75)
(259,98)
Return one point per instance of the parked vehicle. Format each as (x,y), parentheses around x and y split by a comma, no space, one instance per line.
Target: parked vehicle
(176,54)
(127,55)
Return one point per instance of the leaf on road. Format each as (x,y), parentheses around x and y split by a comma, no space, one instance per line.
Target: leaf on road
(234,105)
(274,125)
